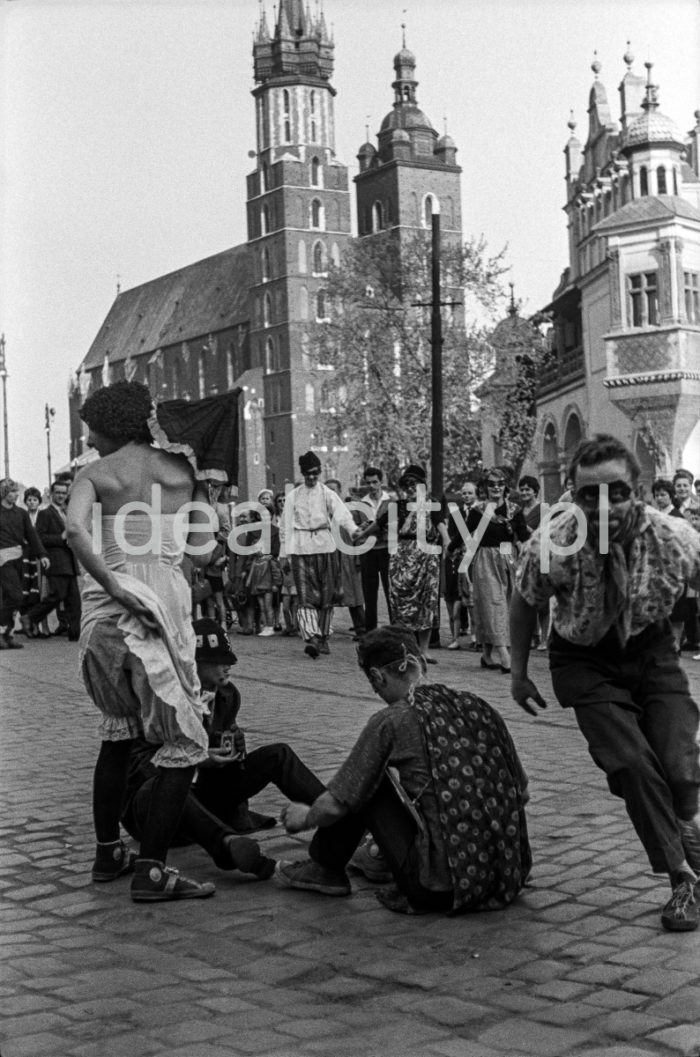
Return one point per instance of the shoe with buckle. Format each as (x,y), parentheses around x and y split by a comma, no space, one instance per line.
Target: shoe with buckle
(156,883)
(310,876)
(681,912)
(112,861)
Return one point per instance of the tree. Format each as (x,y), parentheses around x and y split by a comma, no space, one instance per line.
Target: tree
(374,356)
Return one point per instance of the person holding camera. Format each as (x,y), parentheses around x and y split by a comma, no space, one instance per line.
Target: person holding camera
(216,811)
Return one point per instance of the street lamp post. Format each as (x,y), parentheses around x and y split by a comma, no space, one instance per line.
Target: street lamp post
(3,375)
(49,412)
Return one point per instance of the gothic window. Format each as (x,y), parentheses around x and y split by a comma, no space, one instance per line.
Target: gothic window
(305,356)
(265,264)
(377,217)
(287,116)
(643,181)
(302,256)
(430,206)
(335,255)
(265,220)
(269,356)
(317,214)
(267,310)
(310,397)
(675,182)
(303,303)
(266,177)
(312,107)
(315,172)
(319,259)
(642,300)
(321,306)
(691,289)
(661,180)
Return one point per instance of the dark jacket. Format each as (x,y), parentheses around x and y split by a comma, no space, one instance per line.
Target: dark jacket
(50,527)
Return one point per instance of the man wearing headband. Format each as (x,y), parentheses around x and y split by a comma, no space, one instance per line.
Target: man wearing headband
(615,571)
(316,515)
(453,755)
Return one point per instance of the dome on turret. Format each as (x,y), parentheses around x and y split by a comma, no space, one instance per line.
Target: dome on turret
(367,150)
(405,116)
(404,58)
(652,127)
(446,143)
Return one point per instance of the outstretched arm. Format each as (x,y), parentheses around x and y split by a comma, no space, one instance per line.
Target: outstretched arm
(523,621)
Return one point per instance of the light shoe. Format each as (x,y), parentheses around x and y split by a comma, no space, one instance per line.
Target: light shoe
(696,656)
(454,645)
(368,860)
(156,883)
(265,632)
(310,876)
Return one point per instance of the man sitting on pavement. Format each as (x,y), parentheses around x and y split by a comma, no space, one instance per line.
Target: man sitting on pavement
(612,654)
(216,808)
(452,829)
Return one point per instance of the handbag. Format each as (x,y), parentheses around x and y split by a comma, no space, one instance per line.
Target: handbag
(201,589)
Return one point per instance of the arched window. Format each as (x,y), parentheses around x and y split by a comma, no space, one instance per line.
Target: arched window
(321,306)
(286,103)
(265,220)
(643,181)
(316,213)
(312,107)
(335,255)
(305,357)
(315,172)
(266,176)
(303,303)
(302,256)
(377,217)
(310,397)
(675,182)
(269,356)
(661,180)
(265,264)
(319,259)
(267,310)
(429,207)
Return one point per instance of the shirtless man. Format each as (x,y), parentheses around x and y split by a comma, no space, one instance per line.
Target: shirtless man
(137,645)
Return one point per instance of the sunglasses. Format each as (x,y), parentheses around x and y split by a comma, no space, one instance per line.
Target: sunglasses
(312,473)
(618,492)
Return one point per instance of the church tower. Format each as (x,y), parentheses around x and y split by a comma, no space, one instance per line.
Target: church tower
(411,169)
(298,211)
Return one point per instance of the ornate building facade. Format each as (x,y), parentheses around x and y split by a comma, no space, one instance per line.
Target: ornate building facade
(626,315)
(243,318)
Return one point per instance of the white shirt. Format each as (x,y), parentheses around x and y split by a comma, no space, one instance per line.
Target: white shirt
(309,512)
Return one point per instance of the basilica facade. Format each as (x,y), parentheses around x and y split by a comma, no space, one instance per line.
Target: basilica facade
(243,318)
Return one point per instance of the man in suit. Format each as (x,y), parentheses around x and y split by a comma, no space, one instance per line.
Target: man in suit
(63,570)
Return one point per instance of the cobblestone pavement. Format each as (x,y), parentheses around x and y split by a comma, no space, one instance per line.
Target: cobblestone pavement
(578,966)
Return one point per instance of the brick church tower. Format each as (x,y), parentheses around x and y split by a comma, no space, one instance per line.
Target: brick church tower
(411,170)
(298,211)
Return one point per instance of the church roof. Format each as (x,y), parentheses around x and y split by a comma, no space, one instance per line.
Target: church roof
(405,115)
(202,298)
(652,127)
(640,210)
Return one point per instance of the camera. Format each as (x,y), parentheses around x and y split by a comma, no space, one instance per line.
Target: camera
(222,742)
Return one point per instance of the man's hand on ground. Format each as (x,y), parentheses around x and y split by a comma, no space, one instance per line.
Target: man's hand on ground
(527,695)
(294,817)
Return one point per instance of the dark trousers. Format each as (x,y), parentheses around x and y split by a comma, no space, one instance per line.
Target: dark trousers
(374,566)
(641,724)
(62,589)
(394,830)
(222,789)
(11,596)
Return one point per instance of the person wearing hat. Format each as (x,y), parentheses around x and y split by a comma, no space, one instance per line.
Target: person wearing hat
(451,830)
(216,811)
(414,570)
(316,516)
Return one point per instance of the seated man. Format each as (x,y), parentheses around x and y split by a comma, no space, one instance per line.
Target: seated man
(216,809)
(453,829)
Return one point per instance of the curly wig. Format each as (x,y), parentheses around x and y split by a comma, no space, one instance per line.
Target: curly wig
(120,412)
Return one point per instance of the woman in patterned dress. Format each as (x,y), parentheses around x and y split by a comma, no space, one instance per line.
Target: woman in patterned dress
(414,572)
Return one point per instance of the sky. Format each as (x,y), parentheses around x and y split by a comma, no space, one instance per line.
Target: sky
(126,129)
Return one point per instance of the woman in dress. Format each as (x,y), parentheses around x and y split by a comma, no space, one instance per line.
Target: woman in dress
(414,572)
(493,568)
(34,585)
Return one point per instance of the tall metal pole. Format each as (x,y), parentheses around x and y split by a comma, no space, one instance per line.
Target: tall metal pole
(48,415)
(436,431)
(3,375)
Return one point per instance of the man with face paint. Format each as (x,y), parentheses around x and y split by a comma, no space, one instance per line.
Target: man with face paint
(615,569)
(452,829)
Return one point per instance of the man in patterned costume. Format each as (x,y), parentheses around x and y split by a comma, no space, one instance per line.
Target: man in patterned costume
(452,827)
(615,580)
